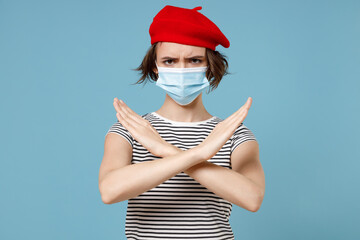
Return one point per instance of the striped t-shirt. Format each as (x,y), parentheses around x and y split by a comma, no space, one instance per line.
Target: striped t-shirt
(180,207)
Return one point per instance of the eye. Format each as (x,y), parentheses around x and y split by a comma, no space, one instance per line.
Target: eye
(196,60)
(167,61)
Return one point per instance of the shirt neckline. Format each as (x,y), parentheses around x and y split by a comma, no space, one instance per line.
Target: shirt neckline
(183,123)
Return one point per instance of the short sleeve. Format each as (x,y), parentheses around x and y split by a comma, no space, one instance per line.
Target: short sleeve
(241,134)
(122,131)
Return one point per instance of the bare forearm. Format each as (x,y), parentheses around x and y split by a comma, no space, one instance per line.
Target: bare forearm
(228,184)
(130,181)
(224,182)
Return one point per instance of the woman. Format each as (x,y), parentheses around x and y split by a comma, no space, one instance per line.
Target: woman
(180,168)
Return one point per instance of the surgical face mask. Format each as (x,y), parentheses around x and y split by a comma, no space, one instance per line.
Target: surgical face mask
(183,85)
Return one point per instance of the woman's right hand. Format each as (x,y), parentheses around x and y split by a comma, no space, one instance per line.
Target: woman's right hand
(222,132)
(140,129)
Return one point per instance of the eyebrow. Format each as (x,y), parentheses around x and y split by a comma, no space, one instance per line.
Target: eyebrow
(197,56)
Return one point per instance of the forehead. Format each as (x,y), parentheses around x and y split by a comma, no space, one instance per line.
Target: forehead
(177,49)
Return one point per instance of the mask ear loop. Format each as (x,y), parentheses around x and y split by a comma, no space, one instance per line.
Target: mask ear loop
(208,87)
(157,67)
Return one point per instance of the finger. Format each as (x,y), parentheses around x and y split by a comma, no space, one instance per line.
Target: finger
(127,116)
(248,103)
(123,119)
(238,114)
(244,107)
(116,105)
(131,114)
(242,116)
(124,113)
(126,124)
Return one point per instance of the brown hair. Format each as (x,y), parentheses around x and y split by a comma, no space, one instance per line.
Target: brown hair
(217,67)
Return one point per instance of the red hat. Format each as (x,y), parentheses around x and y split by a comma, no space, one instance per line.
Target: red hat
(186,26)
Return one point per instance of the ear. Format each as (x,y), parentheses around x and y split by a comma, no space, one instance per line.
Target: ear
(155,70)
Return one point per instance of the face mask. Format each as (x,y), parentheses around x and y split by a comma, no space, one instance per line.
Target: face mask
(183,85)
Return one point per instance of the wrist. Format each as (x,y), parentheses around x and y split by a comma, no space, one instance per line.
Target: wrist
(170,150)
(199,153)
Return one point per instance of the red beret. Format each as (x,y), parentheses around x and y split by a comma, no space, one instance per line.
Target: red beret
(186,26)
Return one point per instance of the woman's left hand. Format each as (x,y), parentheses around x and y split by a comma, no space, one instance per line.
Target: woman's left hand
(141,129)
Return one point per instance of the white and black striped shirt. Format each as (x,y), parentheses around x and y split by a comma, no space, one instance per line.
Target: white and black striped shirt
(180,207)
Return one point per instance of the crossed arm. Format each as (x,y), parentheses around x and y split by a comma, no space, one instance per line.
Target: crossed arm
(243,185)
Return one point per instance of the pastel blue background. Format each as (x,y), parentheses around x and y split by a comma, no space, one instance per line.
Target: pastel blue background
(63,62)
